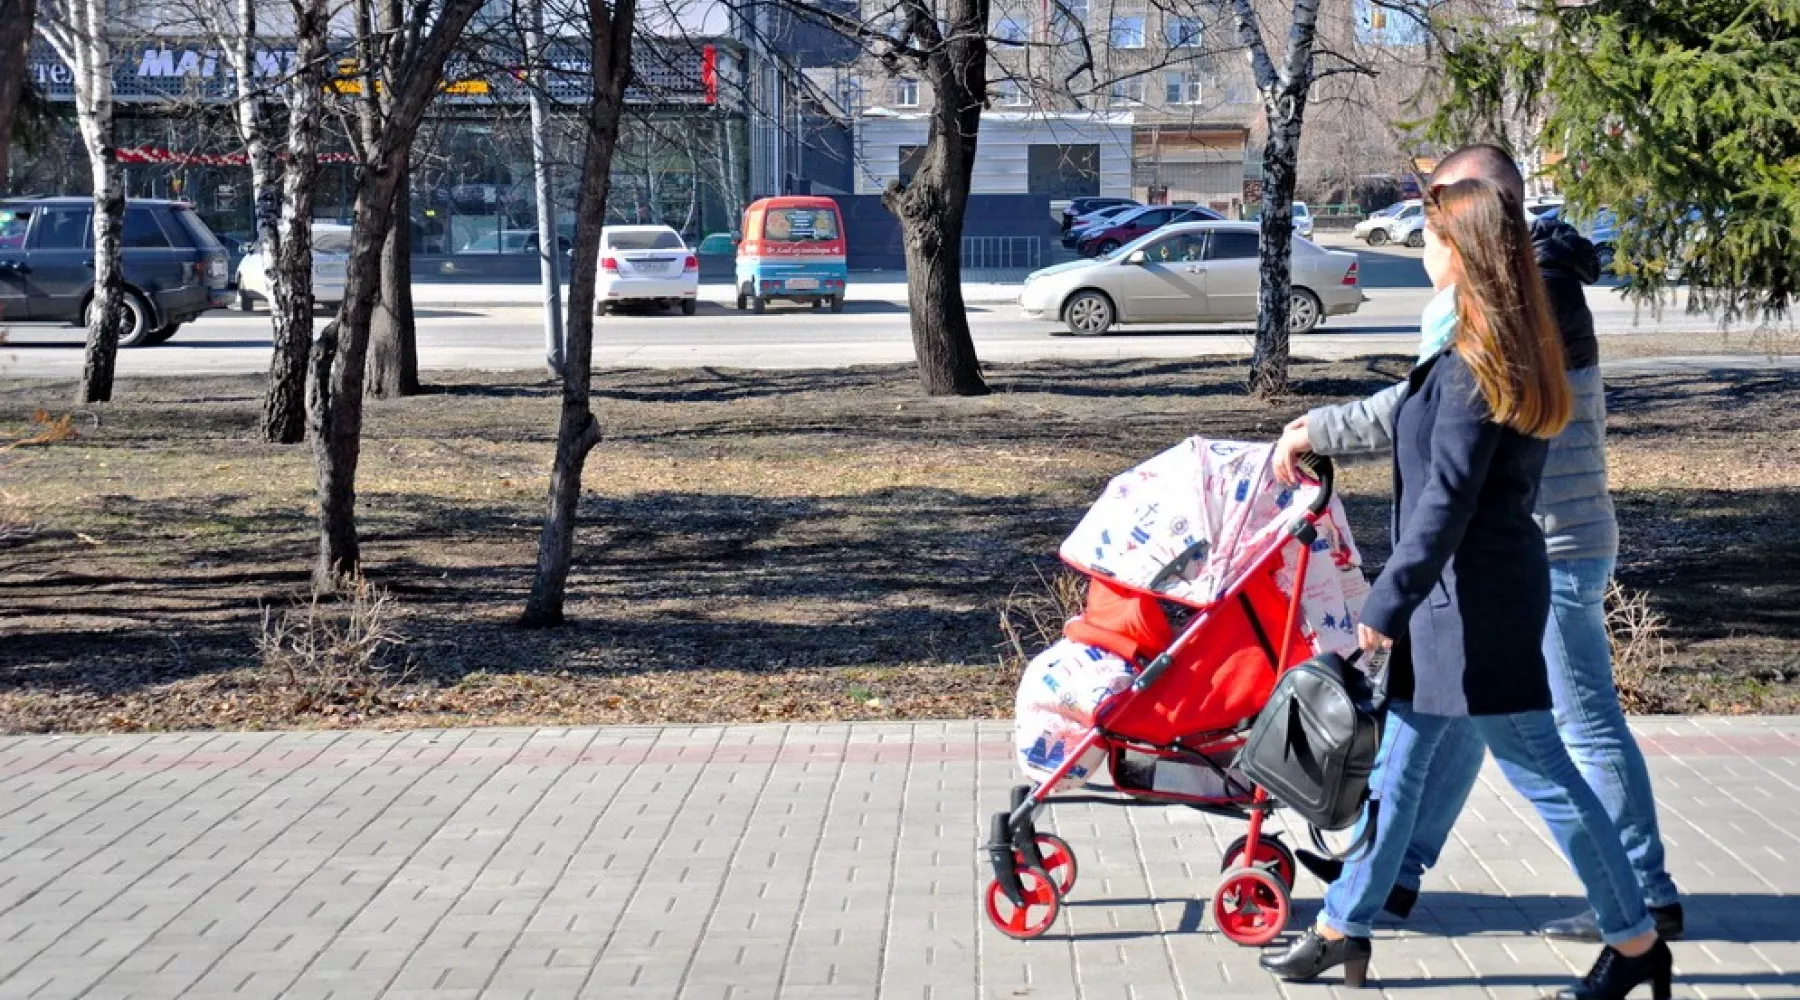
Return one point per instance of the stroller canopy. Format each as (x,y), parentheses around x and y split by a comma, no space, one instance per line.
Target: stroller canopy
(1182,524)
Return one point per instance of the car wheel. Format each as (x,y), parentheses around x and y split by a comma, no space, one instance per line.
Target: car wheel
(757,303)
(837,303)
(1304,312)
(817,304)
(245,302)
(163,334)
(664,304)
(1415,239)
(1378,237)
(135,330)
(688,306)
(1088,314)
(741,300)
(1106,247)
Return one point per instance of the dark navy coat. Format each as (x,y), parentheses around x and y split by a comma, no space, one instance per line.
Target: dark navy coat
(1466,593)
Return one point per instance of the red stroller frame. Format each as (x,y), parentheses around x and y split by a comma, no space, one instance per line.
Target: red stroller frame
(1034,871)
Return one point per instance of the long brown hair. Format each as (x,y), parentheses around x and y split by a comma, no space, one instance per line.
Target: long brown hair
(1504,329)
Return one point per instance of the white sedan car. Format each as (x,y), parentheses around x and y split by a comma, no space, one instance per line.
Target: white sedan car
(1191,272)
(331,252)
(646,264)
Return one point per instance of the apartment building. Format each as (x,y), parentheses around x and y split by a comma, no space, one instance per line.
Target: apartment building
(1141,98)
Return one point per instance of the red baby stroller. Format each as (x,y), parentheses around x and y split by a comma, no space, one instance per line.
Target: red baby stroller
(1188,707)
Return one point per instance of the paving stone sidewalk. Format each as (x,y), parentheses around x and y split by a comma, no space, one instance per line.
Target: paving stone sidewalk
(805,861)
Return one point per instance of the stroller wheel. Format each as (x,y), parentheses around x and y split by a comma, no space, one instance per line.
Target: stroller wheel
(1251,906)
(1059,861)
(1271,855)
(1042,904)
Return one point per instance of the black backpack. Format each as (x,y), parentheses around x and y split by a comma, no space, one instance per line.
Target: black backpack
(1314,744)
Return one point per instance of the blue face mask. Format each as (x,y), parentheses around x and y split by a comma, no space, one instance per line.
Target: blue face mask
(1437,324)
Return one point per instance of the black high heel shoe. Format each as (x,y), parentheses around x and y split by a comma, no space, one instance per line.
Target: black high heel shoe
(1313,953)
(1614,975)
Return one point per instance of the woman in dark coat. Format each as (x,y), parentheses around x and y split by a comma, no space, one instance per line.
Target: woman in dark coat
(1466,594)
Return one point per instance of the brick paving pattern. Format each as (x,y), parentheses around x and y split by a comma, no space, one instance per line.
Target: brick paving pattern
(805,861)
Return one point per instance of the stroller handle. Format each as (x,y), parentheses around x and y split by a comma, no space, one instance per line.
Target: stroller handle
(1318,467)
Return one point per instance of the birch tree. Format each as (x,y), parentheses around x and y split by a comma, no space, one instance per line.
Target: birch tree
(1284,89)
(76,29)
(393,361)
(577,430)
(410,73)
(290,285)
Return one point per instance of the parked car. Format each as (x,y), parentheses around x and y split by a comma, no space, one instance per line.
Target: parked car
(718,245)
(794,248)
(331,255)
(1128,227)
(1078,207)
(1192,272)
(1535,207)
(646,264)
(174,267)
(1393,224)
(1303,220)
(1098,218)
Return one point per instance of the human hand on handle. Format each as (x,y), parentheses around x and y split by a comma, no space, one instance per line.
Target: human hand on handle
(1371,640)
(1288,449)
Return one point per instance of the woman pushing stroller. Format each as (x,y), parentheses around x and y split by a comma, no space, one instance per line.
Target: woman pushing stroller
(1465,597)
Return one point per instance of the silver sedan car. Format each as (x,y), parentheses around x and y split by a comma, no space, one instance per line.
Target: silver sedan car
(1192,272)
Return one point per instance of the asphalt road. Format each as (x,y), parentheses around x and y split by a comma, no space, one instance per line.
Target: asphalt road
(457,333)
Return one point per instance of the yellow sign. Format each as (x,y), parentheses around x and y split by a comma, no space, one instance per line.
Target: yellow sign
(467,88)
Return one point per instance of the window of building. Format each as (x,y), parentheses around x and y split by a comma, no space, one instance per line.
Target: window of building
(1232,244)
(1127,31)
(142,231)
(1181,87)
(1182,32)
(1012,30)
(1128,91)
(911,159)
(1063,171)
(62,229)
(1013,94)
(906,92)
(1068,18)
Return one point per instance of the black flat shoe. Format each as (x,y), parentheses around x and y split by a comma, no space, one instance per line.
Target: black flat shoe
(1671,924)
(1313,953)
(1614,976)
(1400,900)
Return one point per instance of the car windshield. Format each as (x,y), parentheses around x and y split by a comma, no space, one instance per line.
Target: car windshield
(800,225)
(331,241)
(1299,210)
(659,239)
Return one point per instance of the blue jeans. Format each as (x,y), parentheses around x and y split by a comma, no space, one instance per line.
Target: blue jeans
(1531,755)
(1593,728)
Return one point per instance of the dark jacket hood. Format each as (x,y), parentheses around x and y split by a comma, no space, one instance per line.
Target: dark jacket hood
(1561,246)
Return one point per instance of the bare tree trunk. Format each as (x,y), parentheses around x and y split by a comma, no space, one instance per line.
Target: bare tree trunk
(104,317)
(1275,248)
(77,30)
(931,207)
(1284,93)
(577,431)
(337,364)
(290,283)
(393,336)
(393,363)
(16,17)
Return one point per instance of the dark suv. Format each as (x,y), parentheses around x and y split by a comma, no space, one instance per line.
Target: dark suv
(174,267)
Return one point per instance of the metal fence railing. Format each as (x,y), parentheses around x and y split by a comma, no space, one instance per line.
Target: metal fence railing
(1002,252)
